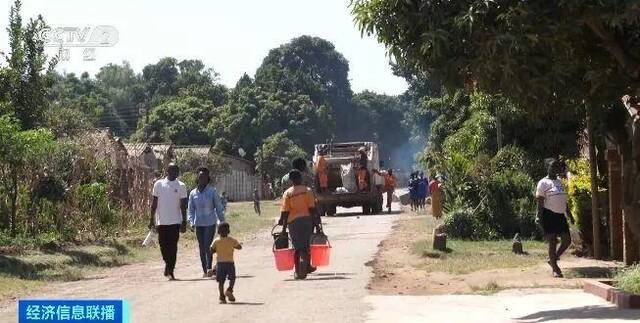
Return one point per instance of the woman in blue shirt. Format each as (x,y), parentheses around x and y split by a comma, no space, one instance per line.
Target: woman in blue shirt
(204,212)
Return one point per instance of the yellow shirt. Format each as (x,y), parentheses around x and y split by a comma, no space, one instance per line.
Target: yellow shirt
(224,248)
(297,200)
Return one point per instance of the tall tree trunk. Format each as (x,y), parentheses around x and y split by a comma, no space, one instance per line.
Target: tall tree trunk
(499,131)
(615,203)
(13,195)
(593,163)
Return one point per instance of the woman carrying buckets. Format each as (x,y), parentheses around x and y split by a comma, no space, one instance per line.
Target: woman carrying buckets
(299,214)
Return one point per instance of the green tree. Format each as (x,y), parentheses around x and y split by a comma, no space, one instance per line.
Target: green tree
(540,53)
(273,158)
(311,66)
(253,114)
(160,80)
(25,79)
(75,104)
(20,151)
(381,120)
(198,81)
(123,93)
(181,120)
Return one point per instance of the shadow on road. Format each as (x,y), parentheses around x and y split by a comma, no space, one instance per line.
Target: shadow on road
(351,214)
(318,278)
(209,278)
(245,303)
(583,312)
(334,274)
(591,272)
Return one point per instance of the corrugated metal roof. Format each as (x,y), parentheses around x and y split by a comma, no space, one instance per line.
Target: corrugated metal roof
(136,149)
(199,150)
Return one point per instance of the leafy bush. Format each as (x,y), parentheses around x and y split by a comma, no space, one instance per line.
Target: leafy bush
(93,203)
(579,195)
(190,180)
(498,190)
(462,223)
(628,280)
(508,193)
(517,159)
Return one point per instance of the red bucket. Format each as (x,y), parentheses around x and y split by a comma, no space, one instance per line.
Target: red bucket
(284,259)
(320,254)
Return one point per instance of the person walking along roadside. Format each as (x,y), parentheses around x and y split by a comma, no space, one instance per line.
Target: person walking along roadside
(169,216)
(390,183)
(204,212)
(389,187)
(553,212)
(435,189)
(256,202)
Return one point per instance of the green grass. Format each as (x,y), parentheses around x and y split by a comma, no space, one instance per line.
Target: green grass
(464,257)
(244,221)
(27,271)
(628,280)
(20,274)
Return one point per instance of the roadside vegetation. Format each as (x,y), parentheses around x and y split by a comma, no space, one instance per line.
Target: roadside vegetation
(410,265)
(628,280)
(466,256)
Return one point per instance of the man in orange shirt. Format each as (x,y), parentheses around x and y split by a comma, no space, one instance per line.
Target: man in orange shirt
(389,186)
(321,170)
(299,214)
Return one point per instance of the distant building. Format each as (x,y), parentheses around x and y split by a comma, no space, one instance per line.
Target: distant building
(241,179)
(141,154)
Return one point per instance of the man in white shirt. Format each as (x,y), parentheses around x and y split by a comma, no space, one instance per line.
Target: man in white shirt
(169,216)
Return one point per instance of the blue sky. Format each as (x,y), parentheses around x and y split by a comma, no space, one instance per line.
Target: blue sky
(231,36)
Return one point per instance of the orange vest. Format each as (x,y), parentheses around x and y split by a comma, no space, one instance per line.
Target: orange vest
(362,179)
(321,168)
(297,200)
(389,182)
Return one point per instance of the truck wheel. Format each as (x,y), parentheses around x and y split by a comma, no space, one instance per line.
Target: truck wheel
(320,209)
(366,209)
(330,210)
(377,208)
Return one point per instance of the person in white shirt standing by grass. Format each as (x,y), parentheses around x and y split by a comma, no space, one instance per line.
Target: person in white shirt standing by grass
(553,212)
(169,216)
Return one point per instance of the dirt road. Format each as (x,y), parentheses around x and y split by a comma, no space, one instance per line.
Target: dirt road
(334,294)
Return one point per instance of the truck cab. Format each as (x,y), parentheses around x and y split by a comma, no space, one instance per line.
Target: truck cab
(341,187)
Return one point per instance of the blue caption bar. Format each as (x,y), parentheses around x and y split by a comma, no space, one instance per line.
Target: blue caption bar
(75,311)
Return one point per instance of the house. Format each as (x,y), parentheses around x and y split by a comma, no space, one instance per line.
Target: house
(141,155)
(105,146)
(164,154)
(241,179)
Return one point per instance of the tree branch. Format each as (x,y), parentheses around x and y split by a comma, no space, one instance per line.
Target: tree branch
(628,63)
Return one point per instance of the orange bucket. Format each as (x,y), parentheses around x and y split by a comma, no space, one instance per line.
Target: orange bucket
(320,254)
(284,259)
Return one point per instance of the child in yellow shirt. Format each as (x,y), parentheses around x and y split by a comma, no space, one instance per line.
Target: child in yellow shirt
(223,247)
